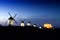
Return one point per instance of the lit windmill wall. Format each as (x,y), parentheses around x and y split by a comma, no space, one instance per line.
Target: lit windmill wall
(22,24)
(34,25)
(28,24)
(10,22)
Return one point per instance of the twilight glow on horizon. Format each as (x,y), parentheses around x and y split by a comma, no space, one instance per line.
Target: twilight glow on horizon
(38,11)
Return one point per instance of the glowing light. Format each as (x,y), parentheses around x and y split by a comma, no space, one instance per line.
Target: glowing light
(34,25)
(47,26)
(28,24)
(10,22)
(40,27)
(22,24)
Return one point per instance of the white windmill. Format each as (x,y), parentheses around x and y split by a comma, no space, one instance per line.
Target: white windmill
(11,19)
(22,23)
(29,23)
(34,25)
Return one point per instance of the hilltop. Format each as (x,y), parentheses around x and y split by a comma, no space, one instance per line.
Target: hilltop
(26,29)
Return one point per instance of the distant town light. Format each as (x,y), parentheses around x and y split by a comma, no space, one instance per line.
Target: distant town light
(47,26)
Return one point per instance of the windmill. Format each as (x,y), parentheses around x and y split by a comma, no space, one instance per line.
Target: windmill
(29,23)
(22,23)
(34,25)
(11,19)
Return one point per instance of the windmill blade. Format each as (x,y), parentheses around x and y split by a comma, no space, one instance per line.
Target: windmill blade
(9,14)
(15,21)
(15,16)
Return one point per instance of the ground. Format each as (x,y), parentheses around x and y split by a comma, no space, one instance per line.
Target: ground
(31,32)
(26,29)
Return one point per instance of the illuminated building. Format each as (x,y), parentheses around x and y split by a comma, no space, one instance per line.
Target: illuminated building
(34,25)
(47,26)
(22,24)
(11,19)
(28,24)
(40,27)
(10,22)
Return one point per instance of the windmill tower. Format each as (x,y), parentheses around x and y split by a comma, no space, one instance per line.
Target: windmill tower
(29,23)
(22,23)
(11,19)
(35,25)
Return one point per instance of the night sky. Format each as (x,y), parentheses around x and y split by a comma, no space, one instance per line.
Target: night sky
(36,11)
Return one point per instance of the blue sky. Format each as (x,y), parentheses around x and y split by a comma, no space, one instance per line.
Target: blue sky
(44,10)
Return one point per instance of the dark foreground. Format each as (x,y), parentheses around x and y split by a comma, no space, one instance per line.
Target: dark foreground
(35,31)
(27,29)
